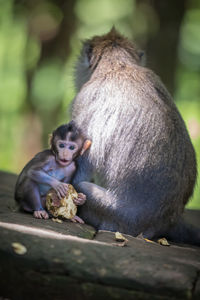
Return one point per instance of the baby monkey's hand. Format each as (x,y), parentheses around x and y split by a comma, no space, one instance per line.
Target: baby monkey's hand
(61,189)
(80,200)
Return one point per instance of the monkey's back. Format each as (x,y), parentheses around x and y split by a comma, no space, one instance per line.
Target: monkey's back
(152,156)
(36,161)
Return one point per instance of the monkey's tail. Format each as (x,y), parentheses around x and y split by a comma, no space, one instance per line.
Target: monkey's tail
(184,233)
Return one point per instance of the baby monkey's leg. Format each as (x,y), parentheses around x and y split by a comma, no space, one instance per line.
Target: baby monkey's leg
(32,201)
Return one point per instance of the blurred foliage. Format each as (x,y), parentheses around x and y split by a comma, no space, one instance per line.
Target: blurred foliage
(36,87)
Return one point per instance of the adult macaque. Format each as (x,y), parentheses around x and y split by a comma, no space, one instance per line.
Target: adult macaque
(141,150)
(52,168)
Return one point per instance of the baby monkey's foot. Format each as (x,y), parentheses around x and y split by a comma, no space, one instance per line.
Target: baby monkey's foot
(77,219)
(40,214)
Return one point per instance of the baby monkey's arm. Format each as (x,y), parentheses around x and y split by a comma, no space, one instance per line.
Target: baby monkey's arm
(41,176)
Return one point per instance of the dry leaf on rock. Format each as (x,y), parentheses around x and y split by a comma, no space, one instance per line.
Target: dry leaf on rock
(19,248)
(163,242)
(149,241)
(119,237)
(140,236)
(57,220)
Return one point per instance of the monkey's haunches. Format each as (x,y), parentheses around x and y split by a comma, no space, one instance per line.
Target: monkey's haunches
(141,150)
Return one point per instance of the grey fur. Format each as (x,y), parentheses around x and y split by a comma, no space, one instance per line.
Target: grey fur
(141,150)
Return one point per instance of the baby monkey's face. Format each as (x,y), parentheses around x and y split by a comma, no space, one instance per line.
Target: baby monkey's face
(67,144)
(66,151)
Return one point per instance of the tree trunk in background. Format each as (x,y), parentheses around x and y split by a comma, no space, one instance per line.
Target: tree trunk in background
(57,47)
(161,49)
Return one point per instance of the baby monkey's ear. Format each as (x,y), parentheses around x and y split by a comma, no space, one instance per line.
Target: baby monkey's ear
(86,145)
(50,137)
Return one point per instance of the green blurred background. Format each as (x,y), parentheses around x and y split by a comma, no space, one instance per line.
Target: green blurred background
(41,39)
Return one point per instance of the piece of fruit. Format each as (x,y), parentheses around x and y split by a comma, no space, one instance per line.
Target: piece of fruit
(64,207)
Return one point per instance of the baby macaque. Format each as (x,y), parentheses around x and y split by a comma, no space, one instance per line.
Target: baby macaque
(52,169)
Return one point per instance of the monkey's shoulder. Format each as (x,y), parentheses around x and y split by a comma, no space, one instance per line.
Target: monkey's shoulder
(144,79)
(154,85)
(43,157)
(39,160)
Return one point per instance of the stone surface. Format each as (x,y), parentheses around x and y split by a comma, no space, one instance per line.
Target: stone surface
(70,261)
(9,212)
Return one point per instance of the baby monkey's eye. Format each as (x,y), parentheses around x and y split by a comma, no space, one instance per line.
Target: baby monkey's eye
(61,145)
(71,147)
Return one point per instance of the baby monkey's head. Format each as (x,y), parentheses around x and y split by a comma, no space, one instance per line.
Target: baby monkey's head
(67,142)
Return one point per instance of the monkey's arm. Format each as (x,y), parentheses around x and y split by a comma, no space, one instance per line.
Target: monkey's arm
(84,170)
(37,171)
(98,198)
(40,176)
(34,172)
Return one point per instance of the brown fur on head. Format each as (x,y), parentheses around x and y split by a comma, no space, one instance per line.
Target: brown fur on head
(99,45)
(111,49)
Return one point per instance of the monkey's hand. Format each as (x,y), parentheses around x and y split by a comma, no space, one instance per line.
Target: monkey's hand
(77,219)
(61,189)
(80,200)
(40,214)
